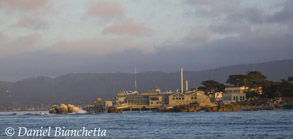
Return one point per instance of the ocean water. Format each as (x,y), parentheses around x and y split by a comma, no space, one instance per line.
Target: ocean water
(228,125)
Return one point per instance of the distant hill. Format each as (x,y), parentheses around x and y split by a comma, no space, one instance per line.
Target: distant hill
(82,88)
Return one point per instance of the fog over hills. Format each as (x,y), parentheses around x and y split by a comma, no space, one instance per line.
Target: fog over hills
(82,88)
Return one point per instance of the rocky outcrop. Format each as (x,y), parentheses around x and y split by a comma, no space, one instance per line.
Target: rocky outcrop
(223,108)
(63,109)
(182,108)
(256,104)
(253,104)
(114,110)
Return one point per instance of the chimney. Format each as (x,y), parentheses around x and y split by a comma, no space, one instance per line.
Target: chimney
(186,85)
(135,83)
(182,80)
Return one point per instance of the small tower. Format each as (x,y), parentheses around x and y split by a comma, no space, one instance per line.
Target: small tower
(186,86)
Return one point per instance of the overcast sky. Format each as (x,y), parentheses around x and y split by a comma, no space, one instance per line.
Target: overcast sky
(55,37)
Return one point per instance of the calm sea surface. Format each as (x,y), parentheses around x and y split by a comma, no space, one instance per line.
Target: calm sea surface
(257,124)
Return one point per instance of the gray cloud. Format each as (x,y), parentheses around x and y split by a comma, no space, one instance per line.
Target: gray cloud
(252,15)
(260,37)
(285,16)
(128,27)
(31,23)
(229,27)
(1,36)
(100,46)
(18,45)
(251,47)
(106,9)
(230,10)
(24,5)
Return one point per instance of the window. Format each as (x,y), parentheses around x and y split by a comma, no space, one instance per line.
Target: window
(154,98)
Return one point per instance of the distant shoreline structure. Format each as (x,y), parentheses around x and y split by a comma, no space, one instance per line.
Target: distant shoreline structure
(213,94)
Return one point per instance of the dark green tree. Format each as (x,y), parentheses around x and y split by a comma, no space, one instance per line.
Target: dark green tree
(237,80)
(278,89)
(270,89)
(210,87)
(285,88)
(255,79)
(290,79)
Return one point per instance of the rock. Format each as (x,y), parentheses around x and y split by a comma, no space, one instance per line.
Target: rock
(52,111)
(191,109)
(114,110)
(63,109)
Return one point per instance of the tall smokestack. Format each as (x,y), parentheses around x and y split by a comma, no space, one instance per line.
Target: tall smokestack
(182,80)
(135,84)
(186,85)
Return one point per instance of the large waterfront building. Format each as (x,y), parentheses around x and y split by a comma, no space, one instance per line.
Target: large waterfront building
(155,99)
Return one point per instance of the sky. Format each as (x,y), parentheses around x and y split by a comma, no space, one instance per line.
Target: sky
(53,37)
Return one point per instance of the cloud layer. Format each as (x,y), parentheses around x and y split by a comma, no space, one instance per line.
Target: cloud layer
(128,28)
(111,36)
(24,5)
(106,9)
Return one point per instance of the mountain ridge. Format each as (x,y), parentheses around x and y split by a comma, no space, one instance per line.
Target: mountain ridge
(82,88)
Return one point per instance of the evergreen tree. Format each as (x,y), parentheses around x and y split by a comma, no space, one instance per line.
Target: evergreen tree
(210,87)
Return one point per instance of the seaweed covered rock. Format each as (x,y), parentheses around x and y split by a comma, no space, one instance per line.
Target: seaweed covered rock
(223,108)
(114,110)
(184,108)
(63,109)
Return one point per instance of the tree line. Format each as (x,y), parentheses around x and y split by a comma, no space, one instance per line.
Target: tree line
(255,84)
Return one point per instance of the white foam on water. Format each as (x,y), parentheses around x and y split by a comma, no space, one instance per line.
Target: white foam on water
(80,110)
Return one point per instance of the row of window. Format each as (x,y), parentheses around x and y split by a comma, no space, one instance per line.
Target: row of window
(184,102)
(240,98)
(235,91)
(137,102)
(155,102)
(154,98)
(181,98)
(178,98)
(235,98)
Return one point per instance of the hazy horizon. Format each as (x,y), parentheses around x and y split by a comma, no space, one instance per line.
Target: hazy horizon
(132,72)
(53,38)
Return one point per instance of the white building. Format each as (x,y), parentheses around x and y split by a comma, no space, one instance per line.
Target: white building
(218,96)
(234,94)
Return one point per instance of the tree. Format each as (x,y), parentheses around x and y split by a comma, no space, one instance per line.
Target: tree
(278,89)
(290,79)
(270,89)
(286,88)
(237,80)
(255,79)
(210,87)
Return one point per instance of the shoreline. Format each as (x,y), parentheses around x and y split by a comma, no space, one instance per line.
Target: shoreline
(253,104)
